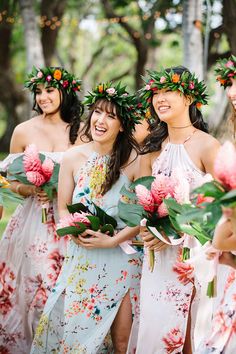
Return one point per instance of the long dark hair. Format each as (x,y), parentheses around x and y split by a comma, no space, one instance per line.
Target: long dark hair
(159,129)
(71,110)
(122,146)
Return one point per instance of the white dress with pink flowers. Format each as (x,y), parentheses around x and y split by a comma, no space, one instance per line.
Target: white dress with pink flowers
(31,257)
(166,293)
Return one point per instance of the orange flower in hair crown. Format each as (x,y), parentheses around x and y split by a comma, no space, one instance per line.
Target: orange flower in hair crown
(225,70)
(52,77)
(186,83)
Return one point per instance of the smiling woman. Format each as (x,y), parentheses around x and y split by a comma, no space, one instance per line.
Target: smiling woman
(31,253)
(92,296)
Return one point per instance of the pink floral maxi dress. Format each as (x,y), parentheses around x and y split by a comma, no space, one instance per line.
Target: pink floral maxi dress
(92,283)
(31,256)
(166,293)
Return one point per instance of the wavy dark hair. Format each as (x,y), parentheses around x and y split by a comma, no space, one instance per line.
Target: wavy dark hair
(122,146)
(71,111)
(159,129)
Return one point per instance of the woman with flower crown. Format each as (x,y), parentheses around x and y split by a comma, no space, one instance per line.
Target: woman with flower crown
(222,338)
(179,139)
(31,253)
(93,294)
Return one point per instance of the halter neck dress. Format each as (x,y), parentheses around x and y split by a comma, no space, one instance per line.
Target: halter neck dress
(166,293)
(31,256)
(92,283)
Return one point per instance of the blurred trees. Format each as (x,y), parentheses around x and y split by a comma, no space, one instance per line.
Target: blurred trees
(107,40)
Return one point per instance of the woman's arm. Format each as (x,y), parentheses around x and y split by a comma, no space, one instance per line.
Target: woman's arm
(66,183)
(225,236)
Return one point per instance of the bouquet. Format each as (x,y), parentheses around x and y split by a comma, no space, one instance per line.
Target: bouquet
(34,168)
(199,218)
(6,193)
(82,217)
(145,206)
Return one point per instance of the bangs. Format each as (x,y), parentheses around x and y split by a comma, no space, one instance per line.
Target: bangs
(106,106)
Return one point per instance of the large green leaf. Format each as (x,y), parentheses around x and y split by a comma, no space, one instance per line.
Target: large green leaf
(211,189)
(104,217)
(76,208)
(95,222)
(131,214)
(107,228)
(145,181)
(72,230)
(127,193)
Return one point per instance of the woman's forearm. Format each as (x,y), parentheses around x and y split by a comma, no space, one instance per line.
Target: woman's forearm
(126,234)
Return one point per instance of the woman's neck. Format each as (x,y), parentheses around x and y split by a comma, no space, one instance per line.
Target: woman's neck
(102,148)
(178,136)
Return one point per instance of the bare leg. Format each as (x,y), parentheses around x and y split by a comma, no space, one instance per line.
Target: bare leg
(188,343)
(121,327)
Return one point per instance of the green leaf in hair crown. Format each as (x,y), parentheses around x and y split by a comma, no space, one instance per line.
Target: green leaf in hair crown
(130,108)
(52,77)
(186,83)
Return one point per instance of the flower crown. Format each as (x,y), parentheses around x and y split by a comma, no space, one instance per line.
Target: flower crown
(186,83)
(131,110)
(226,69)
(52,77)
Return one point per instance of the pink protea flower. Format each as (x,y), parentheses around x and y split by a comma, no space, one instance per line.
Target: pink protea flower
(145,198)
(35,178)
(229,64)
(162,210)
(31,159)
(161,187)
(47,168)
(225,165)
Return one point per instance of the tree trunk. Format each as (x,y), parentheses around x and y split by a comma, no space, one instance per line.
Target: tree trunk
(53,11)
(229,22)
(11,98)
(192,26)
(34,50)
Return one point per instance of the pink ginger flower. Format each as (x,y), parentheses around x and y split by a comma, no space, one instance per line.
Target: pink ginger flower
(47,168)
(31,159)
(181,186)
(71,219)
(161,187)
(162,210)
(225,165)
(35,178)
(229,64)
(145,198)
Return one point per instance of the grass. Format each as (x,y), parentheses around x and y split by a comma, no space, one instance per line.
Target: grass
(7,212)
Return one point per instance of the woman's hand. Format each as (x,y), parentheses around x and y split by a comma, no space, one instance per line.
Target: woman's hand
(95,239)
(24,190)
(42,196)
(227,258)
(152,242)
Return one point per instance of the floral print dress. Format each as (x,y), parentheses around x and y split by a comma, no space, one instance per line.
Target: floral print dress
(80,311)
(166,293)
(31,257)
(222,339)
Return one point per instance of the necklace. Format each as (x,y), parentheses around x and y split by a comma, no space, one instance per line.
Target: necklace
(186,126)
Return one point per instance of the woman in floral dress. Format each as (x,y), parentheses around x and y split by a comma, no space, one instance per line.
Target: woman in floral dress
(31,253)
(93,294)
(180,139)
(222,339)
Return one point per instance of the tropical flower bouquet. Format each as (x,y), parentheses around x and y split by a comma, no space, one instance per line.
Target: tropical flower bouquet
(199,218)
(82,217)
(34,168)
(143,204)
(6,193)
